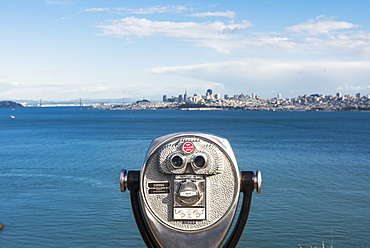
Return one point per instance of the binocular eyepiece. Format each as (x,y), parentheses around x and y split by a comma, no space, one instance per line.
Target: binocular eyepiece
(187,192)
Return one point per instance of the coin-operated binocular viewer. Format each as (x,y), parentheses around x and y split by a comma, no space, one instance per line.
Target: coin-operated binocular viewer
(187,193)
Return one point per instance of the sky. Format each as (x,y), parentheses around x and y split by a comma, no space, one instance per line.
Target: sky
(70,49)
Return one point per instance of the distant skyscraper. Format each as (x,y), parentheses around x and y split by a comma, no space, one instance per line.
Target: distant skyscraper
(180,98)
(339,94)
(254,95)
(164,98)
(209,92)
(279,96)
(358,95)
(197,98)
(186,96)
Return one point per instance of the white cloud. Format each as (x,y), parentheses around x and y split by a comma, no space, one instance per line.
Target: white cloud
(96,9)
(226,38)
(352,44)
(132,26)
(31,90)
(229,14)
(339,39)
(58,2)
(320,25)
(98,89)
(143,11)
(14,84)
(355,88)
(266,76)
(57,90)
(155,9)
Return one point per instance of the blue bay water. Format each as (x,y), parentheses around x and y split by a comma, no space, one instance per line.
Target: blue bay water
(59,174)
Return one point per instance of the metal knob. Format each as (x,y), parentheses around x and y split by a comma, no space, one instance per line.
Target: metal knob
(257,178)
(123,180)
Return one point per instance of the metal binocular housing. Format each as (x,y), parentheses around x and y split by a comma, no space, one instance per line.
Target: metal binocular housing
(187,192)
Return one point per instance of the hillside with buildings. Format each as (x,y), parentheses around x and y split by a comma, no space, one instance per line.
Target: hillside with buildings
(210,101)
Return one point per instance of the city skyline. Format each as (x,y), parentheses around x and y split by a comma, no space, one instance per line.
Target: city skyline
(176,98)
(70,49)
(253,95)
(214,101)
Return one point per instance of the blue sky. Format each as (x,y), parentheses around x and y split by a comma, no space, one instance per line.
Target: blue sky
(71,49)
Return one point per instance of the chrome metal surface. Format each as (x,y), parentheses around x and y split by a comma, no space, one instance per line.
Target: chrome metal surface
(198,206)
(258,181)
(123,180)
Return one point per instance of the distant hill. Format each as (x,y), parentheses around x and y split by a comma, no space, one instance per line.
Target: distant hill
(10,104)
